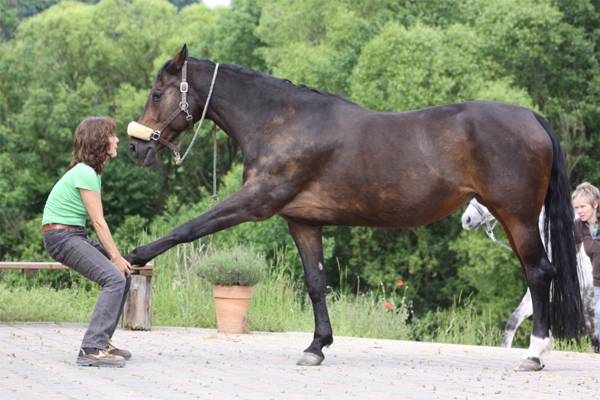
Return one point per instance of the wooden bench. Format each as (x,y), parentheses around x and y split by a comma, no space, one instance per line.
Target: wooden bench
(137,312)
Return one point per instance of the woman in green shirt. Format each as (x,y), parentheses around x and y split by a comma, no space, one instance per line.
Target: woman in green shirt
(75,197)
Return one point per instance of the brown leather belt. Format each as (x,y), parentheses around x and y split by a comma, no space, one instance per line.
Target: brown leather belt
(52,227)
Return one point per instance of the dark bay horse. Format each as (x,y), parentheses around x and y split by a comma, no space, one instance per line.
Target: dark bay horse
(317,159)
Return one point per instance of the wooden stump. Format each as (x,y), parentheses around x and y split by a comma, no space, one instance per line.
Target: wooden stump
(137,313)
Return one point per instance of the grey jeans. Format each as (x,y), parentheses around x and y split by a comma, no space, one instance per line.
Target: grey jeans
(75,249)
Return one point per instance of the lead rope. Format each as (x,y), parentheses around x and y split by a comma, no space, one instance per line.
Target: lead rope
(179,160)
(214,195)
(490,232)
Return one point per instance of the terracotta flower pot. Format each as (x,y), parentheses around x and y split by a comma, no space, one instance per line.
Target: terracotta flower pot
(232,304)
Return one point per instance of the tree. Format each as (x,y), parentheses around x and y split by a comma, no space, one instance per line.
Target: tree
(78,57)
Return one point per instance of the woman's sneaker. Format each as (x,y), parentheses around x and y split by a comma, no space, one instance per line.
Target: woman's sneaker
(90,357)
(126,354)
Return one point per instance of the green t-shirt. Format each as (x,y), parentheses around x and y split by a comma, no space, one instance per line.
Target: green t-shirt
(64,205)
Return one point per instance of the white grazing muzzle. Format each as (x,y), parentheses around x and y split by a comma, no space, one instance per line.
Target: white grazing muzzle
(139,131)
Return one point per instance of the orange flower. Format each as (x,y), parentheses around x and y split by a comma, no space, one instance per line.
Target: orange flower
(400,283)
(388,305)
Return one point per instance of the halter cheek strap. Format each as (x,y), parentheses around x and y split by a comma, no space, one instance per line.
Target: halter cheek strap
(179,160)
(183,107)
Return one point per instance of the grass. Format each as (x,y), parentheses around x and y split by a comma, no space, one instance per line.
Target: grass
(462,324)
(280,304)
(46,304)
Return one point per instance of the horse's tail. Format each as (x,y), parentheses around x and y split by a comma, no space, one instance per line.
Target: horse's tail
(566,317)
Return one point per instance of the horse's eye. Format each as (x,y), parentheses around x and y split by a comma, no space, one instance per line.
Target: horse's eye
(156,95)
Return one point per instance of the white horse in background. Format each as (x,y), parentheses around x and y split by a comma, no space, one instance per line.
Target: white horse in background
(477,215)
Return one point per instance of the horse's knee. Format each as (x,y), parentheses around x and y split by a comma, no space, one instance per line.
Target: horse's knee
(180,234)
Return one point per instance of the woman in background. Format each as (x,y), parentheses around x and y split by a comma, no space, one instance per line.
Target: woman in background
(73,199)
(586,198)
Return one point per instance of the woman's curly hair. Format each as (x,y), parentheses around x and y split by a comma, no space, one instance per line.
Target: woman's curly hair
(91,144)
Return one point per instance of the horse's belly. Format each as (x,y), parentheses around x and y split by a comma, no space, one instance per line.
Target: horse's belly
(385,209)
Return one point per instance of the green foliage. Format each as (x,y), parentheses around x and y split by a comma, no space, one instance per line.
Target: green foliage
(492,272)
(461,324)
(230,266)
(322,55)
(236,37)
(130,233)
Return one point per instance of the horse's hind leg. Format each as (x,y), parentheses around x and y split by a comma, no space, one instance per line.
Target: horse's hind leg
(524,311)
(310,246)
(539,272)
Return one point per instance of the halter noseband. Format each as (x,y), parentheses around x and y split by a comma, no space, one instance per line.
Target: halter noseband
(145,133)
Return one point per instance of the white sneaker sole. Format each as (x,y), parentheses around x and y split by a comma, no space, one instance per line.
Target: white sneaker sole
(86,362)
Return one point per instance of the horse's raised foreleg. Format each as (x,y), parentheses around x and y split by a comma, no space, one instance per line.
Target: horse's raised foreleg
(310,246)
(242,206)
(524,311)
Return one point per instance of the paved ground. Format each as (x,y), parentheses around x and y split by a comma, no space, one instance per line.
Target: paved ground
(37,362)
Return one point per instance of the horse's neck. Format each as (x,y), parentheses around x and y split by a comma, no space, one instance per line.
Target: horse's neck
(237,105)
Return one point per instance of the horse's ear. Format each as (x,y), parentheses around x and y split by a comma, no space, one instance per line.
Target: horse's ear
(181,57)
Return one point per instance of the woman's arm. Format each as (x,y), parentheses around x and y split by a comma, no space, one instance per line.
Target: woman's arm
(93,205)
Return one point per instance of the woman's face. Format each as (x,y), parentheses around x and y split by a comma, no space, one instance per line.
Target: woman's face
(112,147)
(584,209)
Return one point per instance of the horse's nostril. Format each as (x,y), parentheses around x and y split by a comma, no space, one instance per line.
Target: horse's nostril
(132,148)
(468,220)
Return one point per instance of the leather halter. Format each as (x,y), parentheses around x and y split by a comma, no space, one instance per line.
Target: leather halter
(183,107)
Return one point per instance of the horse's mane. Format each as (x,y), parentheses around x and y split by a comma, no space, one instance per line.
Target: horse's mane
(283,83)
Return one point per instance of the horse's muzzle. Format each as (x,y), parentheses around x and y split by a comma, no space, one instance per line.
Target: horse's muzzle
(142,154)
(141,150)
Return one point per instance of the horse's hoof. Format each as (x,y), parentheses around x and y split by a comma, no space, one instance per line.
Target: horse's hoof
(310,359)
(529,364)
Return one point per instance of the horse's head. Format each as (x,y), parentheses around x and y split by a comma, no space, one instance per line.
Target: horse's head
(474,216)
(166,113)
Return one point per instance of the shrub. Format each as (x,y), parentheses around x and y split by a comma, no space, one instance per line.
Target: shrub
(229,266)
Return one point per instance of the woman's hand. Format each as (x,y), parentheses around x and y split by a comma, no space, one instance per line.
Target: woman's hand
(123,265)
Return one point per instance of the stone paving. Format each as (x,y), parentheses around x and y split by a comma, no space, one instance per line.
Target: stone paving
(37,363)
